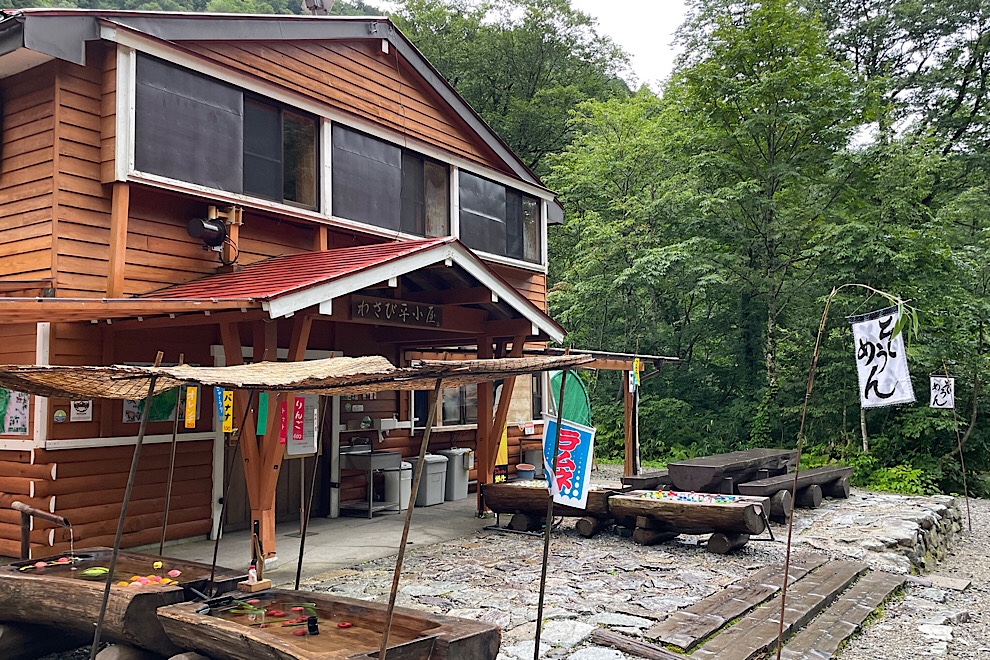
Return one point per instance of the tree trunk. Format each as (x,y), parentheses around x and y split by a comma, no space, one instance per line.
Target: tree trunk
(862,430)
(771,352)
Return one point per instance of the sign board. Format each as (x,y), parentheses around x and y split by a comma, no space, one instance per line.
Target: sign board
(575,449)
(881,360)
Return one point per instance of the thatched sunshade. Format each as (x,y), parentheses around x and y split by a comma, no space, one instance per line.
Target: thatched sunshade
(331,376)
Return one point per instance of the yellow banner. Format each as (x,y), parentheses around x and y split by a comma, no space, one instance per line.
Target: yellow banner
(228,411)
(191,391)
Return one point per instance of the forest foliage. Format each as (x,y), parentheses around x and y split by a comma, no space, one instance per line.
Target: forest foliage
(797,146)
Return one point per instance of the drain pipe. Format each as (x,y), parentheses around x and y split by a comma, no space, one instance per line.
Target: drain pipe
(26,513)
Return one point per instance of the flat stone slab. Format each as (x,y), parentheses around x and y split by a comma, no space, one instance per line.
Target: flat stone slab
(943,582)
(826,633)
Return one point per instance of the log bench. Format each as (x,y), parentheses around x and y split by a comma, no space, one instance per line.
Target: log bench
(527,502)
(812,485)
(720,473)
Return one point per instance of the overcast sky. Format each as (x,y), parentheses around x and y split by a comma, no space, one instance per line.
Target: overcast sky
(644,29)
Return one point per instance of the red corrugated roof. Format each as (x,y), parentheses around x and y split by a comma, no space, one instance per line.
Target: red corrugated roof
(278,276)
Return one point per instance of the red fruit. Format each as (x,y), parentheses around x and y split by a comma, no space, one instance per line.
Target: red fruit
(253,601)
(275,613)
(298,609)
(344,624)
(299,633)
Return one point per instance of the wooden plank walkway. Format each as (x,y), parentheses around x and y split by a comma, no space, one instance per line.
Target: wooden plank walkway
(685,628)
(757,631)
(822,638)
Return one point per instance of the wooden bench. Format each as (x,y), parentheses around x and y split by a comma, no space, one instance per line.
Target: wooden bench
(812,485)
(720,473)
(659,480)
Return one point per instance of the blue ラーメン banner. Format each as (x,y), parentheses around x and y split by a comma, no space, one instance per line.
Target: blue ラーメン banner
(570,485)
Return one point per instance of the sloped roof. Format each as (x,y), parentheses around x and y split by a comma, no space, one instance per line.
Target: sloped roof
(288,284)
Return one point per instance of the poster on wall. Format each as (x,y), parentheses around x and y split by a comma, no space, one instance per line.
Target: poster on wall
(14,412)
(162,407)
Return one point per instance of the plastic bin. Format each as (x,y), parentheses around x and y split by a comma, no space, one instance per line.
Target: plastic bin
(398,484)
(433,482)
(458,468)
(535,458)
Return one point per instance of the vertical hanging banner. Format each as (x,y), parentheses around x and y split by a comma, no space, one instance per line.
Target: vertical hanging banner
(218,399)
(500,472)
(307,442)
(298,418)
(881,360)
(190,421)
(283,423)
(571,483)
(262,428)
(943,392)
(228,411)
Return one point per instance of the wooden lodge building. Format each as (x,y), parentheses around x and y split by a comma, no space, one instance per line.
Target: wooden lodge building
(228,188)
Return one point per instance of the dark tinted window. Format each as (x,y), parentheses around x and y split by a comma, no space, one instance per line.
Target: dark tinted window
(262,150)
(187,126)
(499,220)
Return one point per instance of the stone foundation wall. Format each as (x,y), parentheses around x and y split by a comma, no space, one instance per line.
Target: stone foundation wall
(897,533)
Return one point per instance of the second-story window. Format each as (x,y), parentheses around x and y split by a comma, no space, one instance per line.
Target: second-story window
(279,153)
(498,219)
(381,184)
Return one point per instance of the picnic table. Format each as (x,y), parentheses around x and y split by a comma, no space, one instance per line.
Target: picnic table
(720,473)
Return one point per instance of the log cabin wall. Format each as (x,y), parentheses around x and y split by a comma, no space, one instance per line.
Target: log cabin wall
(355,77)
(27,168)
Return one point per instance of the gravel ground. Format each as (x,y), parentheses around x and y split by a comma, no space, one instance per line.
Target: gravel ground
(611,581)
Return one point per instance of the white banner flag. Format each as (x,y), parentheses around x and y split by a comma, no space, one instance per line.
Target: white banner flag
(881,360)
(943,392)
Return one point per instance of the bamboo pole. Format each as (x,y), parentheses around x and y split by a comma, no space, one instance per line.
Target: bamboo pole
(123,509)
(431,418)
(171,467)
(962,460)
(549,519)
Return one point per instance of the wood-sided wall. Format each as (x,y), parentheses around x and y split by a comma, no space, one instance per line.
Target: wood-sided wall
(26,172)
(357,78)
(86,486)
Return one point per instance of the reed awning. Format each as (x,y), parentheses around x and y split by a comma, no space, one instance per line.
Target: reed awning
(331,376)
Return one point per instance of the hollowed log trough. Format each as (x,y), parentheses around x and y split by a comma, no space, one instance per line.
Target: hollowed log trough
(731,519)
(527,501)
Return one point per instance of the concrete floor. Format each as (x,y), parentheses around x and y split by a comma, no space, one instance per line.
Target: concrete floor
(339,542)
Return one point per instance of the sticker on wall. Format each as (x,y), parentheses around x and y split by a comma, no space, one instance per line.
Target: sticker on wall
(60,416)
(81,411)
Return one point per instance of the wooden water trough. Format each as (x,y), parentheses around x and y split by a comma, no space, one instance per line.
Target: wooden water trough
(65,592)
(662,515)
(302,625)
(526,500)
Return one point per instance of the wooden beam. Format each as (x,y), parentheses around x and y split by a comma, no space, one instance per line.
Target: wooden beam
(486,451)
(230,337)
(186,320)
(477,295)
(69,310)
(610,365)
(504,400)
(320,243)
(119,211)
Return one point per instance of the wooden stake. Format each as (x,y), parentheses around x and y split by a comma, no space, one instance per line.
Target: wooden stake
(549,523)
(431,418)
(123,509)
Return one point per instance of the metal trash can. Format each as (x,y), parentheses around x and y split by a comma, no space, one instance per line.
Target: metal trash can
(458,469)
(433,482)
(398,484)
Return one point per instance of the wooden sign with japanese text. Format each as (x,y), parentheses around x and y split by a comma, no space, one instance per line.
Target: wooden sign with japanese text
(395,312)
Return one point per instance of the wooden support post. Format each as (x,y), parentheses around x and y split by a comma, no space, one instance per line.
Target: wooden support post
(629,466)
(780,506)
(486,403)
(838,489)
(728,486)
(589,526)
(723,544)
(809,497)
(119,212)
